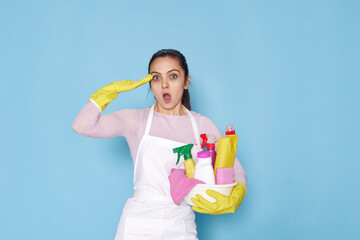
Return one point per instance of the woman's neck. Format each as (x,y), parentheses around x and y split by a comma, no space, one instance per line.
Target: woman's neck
(177,110)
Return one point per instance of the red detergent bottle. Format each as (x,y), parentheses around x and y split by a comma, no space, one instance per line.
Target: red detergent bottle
(209,140)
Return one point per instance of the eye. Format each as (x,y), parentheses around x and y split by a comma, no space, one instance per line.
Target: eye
(156,78)
(173,76)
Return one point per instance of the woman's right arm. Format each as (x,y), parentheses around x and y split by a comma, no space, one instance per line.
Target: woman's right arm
(89,122)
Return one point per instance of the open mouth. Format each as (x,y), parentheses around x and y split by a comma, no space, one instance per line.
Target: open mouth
(167,97)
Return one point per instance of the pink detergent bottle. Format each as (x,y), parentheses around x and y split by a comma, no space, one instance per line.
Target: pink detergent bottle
(209,140)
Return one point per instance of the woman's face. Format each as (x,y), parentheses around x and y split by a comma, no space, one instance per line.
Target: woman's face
(168,83)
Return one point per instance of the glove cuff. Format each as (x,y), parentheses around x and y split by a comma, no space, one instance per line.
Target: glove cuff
(96,105)
(104,96)
(240,187)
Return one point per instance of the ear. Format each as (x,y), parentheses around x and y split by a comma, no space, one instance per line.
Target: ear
(187,82)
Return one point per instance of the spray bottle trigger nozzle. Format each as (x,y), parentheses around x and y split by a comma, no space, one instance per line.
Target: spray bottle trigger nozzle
(178,159)
(183,150)
(204,140)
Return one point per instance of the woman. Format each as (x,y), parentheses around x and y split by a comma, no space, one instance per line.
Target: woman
(152,133)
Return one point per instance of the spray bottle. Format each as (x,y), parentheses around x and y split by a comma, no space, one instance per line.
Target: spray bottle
(209,140)
(189,162)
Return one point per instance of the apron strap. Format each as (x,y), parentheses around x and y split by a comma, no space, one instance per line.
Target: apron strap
(196,132)
(193,123)
(149,120)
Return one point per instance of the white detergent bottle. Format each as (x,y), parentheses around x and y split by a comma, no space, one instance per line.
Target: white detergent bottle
(203,169)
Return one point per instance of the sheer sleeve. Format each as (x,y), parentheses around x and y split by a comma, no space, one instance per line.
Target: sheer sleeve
(207,126)
(90,123)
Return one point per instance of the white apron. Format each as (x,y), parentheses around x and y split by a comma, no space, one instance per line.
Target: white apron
(151,212)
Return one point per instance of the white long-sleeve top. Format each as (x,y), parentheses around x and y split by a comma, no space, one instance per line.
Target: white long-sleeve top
(131,124)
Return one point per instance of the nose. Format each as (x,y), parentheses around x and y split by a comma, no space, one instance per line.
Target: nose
(164,83)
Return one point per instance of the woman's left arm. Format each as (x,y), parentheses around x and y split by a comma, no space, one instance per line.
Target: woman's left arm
(239,172)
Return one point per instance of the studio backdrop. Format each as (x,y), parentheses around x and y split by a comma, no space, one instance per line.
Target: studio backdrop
(284,73)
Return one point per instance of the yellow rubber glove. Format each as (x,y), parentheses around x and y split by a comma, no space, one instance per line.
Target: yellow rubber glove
(105,95)
(223,203)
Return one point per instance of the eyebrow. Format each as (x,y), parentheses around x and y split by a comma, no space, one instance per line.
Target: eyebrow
(174,70)
(167,72)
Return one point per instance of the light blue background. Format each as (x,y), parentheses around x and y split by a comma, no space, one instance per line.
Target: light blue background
(285,73)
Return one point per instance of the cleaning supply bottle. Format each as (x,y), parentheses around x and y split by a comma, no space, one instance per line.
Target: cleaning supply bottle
(226,150)
(203,169)
(189,162)
(209,140)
